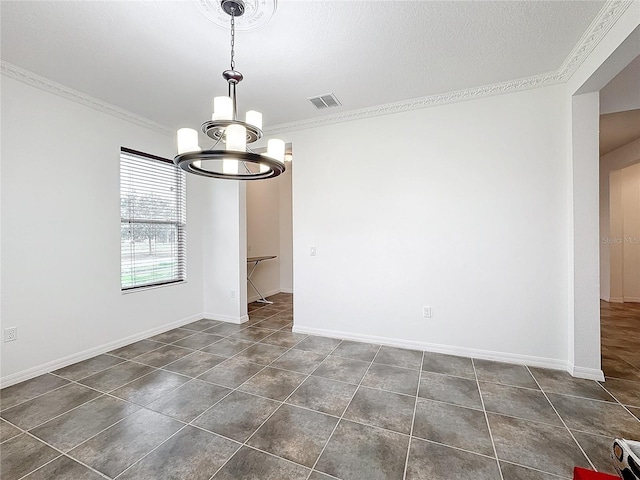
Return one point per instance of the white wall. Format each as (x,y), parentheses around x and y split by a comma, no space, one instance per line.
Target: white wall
(631,233)
(611,224)
(61,234)
(615,249)
(224,247)
(459,207)
(584,291)
(625,234)
(286,230)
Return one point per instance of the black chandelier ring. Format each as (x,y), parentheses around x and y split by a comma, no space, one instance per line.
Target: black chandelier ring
(186,162)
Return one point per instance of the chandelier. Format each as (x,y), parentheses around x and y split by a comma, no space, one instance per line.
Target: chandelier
(236,161)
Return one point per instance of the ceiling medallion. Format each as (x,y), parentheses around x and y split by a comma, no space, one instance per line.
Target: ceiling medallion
(256,13)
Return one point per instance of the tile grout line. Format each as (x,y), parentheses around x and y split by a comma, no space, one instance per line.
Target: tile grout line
(620,403)
(74,382)
(62,454)
(153,449)
(238,386)
(451,447)
(282,402)
(67,411)
(37,396)
(344,411)
(562,420)
(347,383)
(108,427)
(234,388)
(272,413)
(290,395)
(155,370)
(185,424)
(122,360)
(252,448)
(98,433)
(413,419)
(535,470)
(486,418)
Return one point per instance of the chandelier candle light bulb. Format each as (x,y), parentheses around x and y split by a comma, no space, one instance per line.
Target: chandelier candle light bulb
(222,108)
(275,149)
(236,138)
(254,118)
(187,140)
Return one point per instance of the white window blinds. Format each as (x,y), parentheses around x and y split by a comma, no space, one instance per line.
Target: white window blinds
(152,221)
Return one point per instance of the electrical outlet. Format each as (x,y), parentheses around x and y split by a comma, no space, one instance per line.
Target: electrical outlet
(233,294)
(10,334)
(312,251)
(426,312)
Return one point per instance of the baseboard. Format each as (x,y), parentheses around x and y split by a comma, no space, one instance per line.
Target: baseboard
(91,352)
(286,290)
(266,294)
(226,318)
(616,300)
(632,299)
(587,373)
(532,361)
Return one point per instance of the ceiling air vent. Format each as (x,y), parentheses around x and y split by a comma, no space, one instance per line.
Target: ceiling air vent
(327,100)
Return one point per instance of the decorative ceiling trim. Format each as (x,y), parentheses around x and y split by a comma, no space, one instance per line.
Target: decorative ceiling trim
(423,102)
(50,86)
(606,18)
(256,13)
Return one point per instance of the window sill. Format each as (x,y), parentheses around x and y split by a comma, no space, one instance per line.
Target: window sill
(151,287)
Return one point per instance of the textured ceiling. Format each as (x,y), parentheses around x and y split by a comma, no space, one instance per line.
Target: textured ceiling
(162,59)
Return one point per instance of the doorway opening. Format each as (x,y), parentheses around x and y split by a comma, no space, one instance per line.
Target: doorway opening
(620,224)
(270,243)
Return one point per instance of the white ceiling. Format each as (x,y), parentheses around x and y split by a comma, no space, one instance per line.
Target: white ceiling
(623,91)
(620,109)
(163,60)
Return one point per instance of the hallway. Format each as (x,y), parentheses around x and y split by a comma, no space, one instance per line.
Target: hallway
(620,334)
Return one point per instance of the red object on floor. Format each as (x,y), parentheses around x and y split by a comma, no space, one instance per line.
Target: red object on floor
(584,474)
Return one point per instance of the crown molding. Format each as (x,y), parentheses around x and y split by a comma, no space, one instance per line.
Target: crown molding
(50,86)
(606,18)
(419,103)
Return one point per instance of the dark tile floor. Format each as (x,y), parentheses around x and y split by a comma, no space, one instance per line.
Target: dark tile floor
(255,401)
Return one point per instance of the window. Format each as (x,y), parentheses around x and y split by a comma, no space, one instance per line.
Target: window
(152,221)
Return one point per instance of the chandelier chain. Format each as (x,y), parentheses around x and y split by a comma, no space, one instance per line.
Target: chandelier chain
(233,40)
